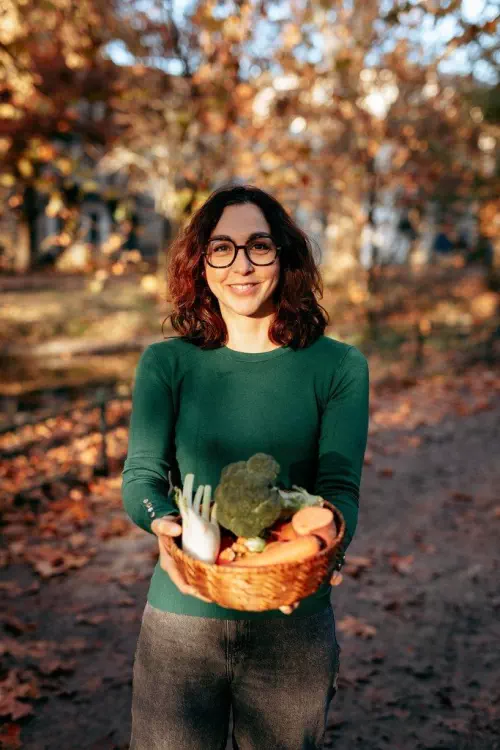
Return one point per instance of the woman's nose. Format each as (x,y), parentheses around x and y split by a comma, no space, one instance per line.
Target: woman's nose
(241,262)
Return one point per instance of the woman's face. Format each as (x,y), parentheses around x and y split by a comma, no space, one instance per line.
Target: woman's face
(238,222)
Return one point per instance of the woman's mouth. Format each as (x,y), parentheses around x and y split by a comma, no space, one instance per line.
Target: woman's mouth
(243,288)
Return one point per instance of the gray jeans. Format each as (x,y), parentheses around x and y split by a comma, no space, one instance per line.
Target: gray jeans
(278,675)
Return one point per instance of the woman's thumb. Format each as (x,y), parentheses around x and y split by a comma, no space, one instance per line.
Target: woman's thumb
(168,526)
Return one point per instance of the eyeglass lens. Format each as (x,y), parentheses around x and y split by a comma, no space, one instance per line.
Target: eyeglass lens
(261,251)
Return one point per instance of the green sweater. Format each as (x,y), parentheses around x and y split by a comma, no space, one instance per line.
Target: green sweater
(195,411)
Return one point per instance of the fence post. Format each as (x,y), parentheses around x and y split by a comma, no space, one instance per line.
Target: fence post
(372,286)
(490,346)
(101,468)
(422,329)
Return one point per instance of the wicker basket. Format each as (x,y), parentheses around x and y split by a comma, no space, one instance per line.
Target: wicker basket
(263,588)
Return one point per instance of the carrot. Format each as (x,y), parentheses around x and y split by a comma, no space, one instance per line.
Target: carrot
(284,532)
(315,520)
(272,545)
(283,552)
(306,520)
(225,556)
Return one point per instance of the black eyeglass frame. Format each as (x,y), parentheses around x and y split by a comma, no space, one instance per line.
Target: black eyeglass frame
(245,248)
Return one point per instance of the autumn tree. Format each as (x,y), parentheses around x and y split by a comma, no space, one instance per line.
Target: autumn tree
(56,86)
(302,98)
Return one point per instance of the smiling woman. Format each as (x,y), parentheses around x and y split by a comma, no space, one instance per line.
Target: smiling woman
(243,277)
(211,266)
(251,372)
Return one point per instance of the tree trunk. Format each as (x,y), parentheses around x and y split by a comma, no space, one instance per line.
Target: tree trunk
(22,256)
(30,215)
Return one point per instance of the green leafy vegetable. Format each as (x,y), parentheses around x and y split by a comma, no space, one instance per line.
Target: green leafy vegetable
(247,502)
(255,544)
(246,498)
(298,498)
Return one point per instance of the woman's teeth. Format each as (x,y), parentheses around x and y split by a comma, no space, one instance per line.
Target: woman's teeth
(242,288)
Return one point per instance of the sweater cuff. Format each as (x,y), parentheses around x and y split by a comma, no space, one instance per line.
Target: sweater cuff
(143,506)
(156,508)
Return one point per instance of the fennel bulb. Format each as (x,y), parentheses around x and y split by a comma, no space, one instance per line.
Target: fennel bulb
(201,538)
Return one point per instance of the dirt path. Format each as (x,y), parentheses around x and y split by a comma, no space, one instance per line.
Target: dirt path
(430,676)
(422,673)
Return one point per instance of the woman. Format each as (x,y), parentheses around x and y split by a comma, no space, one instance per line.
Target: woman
(250,372)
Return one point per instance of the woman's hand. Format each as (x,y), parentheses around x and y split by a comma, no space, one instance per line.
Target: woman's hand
(335,580)
(163,528)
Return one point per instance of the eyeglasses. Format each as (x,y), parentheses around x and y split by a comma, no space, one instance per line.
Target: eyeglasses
(260,251)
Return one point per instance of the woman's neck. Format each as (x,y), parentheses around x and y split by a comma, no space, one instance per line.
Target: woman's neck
(250,335)
(250,348)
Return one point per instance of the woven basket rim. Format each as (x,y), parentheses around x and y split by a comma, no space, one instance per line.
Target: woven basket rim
(264,569)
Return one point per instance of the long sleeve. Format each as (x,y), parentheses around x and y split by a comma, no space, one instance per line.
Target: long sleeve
(343,438)
(145,487)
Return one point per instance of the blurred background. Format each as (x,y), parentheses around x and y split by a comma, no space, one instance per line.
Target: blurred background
(377,124)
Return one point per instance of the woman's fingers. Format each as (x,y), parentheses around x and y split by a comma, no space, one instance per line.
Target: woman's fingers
(167,525)
(336,578)
(168,564)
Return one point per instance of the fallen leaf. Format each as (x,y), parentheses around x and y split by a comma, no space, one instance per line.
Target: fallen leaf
(14,625)
(49,562)
(429,549)
(13,687)
(10,706)
(17,548)
(74,643)
(10,588)
(460,726)
(54,665)
(126,601)
(463,497)
(33,649)
(128,578)
(14,530)
(93,684)
(78,539)
(354,626)
(355,566)
(402,564)
(116,527)
(10,737)
(91,619)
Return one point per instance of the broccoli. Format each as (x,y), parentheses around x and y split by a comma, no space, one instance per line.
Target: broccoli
(261,463)
(246,498)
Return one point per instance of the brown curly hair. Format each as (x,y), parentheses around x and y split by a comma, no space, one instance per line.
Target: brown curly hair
(195,312)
